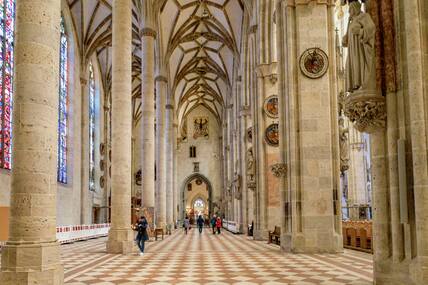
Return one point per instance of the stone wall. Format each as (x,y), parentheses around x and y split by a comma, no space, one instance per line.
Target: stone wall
(207,154)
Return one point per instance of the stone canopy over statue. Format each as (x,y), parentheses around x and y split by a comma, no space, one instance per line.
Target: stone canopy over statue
(360,70)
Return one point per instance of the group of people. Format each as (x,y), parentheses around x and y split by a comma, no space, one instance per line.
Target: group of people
(142,226)
(215,223)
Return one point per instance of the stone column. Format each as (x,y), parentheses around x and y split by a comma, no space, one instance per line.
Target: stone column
(161,84)
(175,187)
(148,118)
(260,225)
(85,193)
(120,239)
(169,164)
(31,255)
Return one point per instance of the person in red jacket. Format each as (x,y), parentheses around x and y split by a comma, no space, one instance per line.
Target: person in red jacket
(218,225)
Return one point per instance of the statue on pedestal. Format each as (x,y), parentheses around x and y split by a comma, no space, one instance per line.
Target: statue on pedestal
(360,70)
(251,168)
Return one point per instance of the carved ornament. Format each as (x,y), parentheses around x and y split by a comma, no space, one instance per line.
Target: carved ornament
(148,32)
(366,110)
(279,169)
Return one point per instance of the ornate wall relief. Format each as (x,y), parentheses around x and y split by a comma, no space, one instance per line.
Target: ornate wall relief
(250,134)
(314,63)
(279,169)
(271,106)
(200,125)
(272,135)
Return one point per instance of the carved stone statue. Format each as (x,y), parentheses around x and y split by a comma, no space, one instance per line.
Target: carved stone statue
(251,167)
(343,143)
(237,186)
(360,70)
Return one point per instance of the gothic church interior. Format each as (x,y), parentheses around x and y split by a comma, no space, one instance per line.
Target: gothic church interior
(299,125)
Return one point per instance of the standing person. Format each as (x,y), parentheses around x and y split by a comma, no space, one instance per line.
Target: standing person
(186,224)
(213,222)
(142,235)
(200,223)
(218,225)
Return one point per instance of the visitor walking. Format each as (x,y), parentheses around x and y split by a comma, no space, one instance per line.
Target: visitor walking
(186,224)
(213,222)
(200,223)
(218,225)
(142,235)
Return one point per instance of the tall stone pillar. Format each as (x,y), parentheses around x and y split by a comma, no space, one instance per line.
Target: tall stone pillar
(148,119)
(31,255)
(120,239)
(85,193)
(260,225)
(310,135)
(175,187)
(169,164)
(161,85)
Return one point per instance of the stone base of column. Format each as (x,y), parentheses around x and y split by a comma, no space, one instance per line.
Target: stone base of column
(316,242)
(23,264)
(120,241)
(262,234)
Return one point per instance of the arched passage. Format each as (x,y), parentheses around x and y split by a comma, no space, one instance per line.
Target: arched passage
(189,194)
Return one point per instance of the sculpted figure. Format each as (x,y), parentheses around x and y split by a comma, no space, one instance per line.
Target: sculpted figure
(251,170)
(360,68)
(343,141)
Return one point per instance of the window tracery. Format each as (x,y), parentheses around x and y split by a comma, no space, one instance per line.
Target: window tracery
(7,28)
(63,107)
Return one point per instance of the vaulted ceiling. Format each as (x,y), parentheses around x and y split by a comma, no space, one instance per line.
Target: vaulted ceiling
(199,40)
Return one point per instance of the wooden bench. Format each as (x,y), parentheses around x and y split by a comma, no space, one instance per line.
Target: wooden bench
(357,235)
(275,236)
(160,232)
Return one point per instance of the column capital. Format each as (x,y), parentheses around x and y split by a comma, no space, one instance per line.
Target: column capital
(367,110)
(169,107)
(265,70)
(148,32)
(83,81)
(161,78)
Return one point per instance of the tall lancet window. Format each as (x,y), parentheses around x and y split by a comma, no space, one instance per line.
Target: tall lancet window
(7,27)
(91,128)
(62,109)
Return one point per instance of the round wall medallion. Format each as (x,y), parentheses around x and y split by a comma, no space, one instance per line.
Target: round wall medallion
(198,181)
(314,63)
(271,106)
(250,134)
(272,135)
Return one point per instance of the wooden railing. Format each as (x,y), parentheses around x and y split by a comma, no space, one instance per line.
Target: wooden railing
(358,235)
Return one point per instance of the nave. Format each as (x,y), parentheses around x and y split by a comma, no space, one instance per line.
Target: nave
(211,259)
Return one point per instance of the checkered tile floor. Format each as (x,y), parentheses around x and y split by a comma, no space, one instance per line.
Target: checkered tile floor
(211,259)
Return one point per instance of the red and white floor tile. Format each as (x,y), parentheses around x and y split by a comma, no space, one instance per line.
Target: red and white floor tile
(211,259)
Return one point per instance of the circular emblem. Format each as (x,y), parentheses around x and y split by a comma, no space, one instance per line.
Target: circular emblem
(198,181)
(314,63)
(250,134)
(271,106)
(272,135)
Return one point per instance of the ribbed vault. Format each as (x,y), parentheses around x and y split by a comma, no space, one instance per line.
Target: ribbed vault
(200,41)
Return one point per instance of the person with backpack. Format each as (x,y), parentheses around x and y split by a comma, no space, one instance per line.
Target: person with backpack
(200,221)
(142,235)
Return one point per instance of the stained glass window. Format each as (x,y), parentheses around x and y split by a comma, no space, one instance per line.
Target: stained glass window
(7,27)
(91,128)
(62,109)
